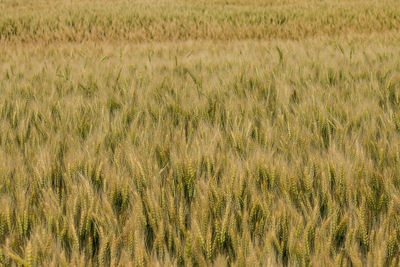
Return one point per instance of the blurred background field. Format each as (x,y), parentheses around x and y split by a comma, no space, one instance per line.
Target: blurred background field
(142,21)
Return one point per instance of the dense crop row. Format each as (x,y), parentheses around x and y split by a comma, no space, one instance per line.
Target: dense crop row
(283,152)
(217,150)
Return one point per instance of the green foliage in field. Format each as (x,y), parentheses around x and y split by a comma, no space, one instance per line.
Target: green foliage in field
(202,152)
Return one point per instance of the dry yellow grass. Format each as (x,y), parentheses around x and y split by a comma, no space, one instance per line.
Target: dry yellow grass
(220,149)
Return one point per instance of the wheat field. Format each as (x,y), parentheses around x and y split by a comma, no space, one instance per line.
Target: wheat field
(199,133)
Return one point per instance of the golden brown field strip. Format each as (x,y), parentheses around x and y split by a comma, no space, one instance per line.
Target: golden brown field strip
(185,20)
